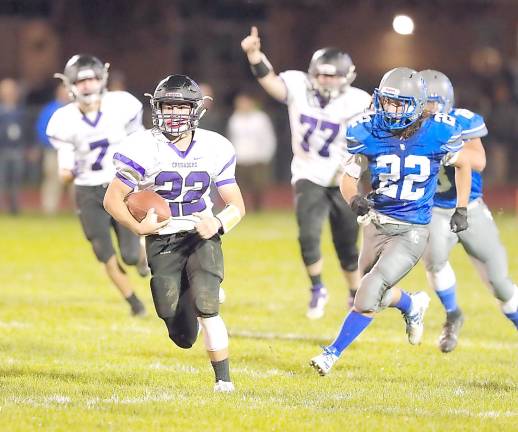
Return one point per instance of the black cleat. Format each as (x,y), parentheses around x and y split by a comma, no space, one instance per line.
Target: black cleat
(450,332)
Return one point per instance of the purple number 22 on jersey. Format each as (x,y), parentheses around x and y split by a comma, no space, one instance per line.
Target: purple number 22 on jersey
(196,181)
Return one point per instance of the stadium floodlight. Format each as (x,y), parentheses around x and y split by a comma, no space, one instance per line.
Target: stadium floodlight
(403,24)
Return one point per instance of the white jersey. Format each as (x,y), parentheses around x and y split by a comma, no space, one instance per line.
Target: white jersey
(86,143)
(318,133)
(147,160)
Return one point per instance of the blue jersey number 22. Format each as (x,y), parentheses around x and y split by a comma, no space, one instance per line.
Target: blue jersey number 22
(389,181)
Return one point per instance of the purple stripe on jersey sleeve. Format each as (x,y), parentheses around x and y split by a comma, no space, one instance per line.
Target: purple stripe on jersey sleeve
(230,162)
(130,163)
(125,181)
(224,182)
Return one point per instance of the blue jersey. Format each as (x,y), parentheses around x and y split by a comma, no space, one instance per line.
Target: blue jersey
(404,170)
(473,126)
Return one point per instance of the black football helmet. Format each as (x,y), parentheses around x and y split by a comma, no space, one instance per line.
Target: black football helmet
(334,62)
(80,67)
(177,90)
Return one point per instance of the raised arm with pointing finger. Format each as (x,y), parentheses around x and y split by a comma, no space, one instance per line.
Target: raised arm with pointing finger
(320,103)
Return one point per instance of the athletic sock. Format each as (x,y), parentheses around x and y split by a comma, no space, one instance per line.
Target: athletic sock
(316,280)
(448,298)
(405,303)
(134,302)
(353,325)
(221,370)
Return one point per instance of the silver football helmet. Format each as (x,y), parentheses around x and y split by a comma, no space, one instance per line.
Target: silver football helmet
(333,62)
(400,99)
(440,89)
(80,67)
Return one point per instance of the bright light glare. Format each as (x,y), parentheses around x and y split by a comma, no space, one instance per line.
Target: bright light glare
(403,24)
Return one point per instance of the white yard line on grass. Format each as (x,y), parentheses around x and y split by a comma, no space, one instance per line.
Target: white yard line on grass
(466,342)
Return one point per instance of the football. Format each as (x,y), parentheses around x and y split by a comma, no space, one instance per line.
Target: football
(139,203)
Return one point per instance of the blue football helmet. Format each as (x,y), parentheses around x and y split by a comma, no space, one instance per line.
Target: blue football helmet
(400,99)
(440,89)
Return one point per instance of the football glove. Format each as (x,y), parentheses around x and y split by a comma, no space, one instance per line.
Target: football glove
(360,205)
(459,220)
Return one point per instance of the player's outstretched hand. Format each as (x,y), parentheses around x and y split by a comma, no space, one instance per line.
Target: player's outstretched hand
(207,226)
(252,43)
(150,224)
(459,220)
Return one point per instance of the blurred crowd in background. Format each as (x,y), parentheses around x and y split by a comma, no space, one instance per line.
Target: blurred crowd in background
(475,42)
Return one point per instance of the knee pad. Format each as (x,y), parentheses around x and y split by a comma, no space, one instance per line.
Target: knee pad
(215,335)
(182,339)
(103,249)
(165,294)
(347,251)
(442,278)
(310,248)
(130,257)
(207,304)
(348,259)
(369,295)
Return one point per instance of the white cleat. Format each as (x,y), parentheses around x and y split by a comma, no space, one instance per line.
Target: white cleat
(224,387)
(222,296)
(324,362)
(317,304)
(414,319)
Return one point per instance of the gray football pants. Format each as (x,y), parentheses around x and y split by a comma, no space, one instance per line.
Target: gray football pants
(481,242)
(388,253)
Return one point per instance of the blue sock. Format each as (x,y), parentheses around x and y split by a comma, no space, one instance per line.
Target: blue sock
(514,318)
(353,325)
(448,298)
(405,302)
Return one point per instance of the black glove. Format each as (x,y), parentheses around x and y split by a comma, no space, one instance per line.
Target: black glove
(459,220)
(360,205)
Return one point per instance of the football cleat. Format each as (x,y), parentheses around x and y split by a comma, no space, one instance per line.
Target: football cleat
(450,333)
(319,299)
(414,318)
(223,387)
(324,362)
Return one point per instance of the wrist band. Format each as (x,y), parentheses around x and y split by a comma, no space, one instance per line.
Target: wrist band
(261,69)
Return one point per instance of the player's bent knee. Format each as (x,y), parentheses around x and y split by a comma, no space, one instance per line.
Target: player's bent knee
(131,257)
(215,333)
(368,297)
(182,340)
(103,249)
(310,249)
(207,306)
(349,262)
(165,295)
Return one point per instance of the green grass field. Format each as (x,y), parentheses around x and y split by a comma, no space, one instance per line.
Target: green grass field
(72,359)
